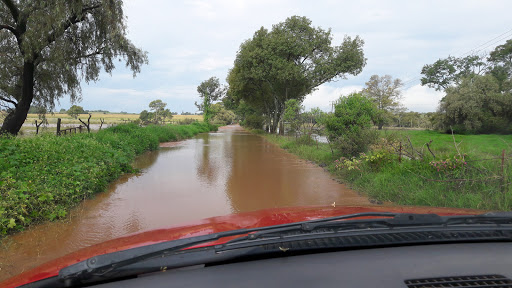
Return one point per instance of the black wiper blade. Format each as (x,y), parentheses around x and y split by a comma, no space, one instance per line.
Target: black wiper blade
(393,221)
(390,220)
(103,264)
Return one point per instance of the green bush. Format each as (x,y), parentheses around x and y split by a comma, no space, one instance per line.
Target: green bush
(350,128)
(254,121)
(187,121)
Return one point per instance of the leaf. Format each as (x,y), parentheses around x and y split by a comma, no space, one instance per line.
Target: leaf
(12,223)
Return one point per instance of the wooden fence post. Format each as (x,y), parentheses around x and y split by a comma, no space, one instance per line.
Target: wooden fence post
(400,153)
(58,126)
(503,178)
(38,125)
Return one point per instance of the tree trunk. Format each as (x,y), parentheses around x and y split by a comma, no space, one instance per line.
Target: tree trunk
(273,127)
(275,122)
(15,119)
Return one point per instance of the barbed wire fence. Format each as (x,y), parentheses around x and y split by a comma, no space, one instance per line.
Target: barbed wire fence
(494,171)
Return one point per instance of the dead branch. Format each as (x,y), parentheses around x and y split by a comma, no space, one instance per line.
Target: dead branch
(38,125)
(455,143)
(102,120)
(88,123)
(412,147)
(428,147)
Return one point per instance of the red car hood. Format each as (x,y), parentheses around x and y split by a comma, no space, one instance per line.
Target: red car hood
(213,225)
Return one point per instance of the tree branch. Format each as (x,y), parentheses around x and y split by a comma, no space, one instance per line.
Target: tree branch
(97,52)
(73,19)
(14,10)
(10,28)
(9,101)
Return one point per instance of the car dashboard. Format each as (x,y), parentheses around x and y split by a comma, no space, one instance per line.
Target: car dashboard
(435,265)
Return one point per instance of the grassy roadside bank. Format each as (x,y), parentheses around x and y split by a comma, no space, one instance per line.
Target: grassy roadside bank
(479,181)
(42,177)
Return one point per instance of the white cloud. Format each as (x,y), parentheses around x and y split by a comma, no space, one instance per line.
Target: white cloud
(178,98)
(325,95)
(190,41)
(416,98)
(203,9)
(421,99)
(214,62)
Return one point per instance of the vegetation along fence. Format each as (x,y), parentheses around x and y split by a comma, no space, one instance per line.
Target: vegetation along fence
(68,130)
(461,168)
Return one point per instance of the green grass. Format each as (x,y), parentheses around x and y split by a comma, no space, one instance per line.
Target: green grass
(416,182)
(320,154)
(42,177)
(481,145)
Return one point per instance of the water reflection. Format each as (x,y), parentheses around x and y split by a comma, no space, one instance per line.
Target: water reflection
(264,176)
(212,174)
(206,165)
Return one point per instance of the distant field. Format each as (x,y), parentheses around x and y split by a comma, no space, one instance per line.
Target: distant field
(109,119)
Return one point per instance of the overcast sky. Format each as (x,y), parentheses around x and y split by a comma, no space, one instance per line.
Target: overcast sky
(190,41)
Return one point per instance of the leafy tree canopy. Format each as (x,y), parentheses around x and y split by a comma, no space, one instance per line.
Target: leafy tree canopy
(210,91)
(159,113)
(386,94)
(49,47)
(476,106)
(293,114)
(478,91)
(75,110)
(222,116)
(289,62)
(451,71)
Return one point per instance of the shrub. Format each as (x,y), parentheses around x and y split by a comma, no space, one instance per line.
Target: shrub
(350,128)
(187,121)
(254,121)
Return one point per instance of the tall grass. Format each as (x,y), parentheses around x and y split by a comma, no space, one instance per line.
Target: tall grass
(42,177)
(480,183)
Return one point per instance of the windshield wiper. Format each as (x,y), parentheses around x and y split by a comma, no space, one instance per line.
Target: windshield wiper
(102,267)
(399,220)
(101,264)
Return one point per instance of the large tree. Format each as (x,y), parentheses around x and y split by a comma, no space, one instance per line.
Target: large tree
(159,113)
(386,94)
(48,47)
(210,91)
(450,71)
(476,106)
(289,62)
(478,91)
(75,111)
(501,58)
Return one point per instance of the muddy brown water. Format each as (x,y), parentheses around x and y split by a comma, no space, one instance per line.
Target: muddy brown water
(213,174)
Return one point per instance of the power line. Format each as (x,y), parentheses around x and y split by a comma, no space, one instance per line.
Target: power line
(409,83)
(501,36)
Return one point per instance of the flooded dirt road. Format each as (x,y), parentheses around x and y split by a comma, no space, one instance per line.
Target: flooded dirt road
(213,174)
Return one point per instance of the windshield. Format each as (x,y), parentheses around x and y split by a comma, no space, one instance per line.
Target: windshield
(277,112)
